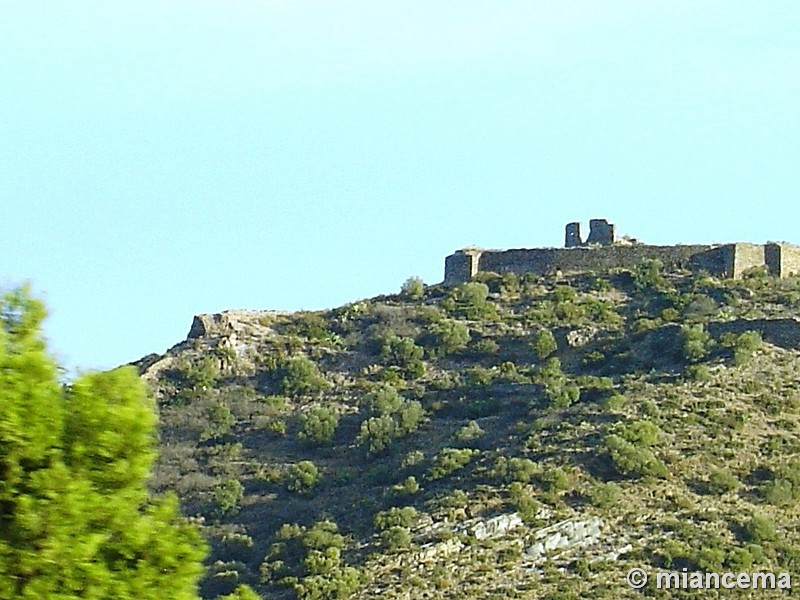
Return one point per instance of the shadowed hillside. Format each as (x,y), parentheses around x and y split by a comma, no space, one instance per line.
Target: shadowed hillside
(512,437)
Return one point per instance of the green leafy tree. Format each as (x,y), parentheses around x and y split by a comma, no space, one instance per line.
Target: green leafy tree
(77,518)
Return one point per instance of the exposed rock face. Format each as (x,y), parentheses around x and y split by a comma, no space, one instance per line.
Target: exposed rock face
(496,526)
(228,322)
(580,337)
(565,536)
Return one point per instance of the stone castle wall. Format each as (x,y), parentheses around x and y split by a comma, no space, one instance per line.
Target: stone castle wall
(724,261)
(465,264)
(782,259)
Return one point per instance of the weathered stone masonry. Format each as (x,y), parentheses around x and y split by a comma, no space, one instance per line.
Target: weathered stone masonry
(725,260)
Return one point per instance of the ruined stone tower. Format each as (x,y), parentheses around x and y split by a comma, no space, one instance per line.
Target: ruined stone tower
(601,232)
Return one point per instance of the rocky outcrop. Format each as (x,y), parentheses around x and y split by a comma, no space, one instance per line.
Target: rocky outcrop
(565,536)
(496,526)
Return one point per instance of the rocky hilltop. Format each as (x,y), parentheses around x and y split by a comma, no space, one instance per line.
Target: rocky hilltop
(528,436)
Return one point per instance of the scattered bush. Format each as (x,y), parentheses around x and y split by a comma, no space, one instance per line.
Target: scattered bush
(301,477)
(649,275)
(695,342)
(448,336)
(318,425)
(409,486)
(219,420)
(469,432)
(395,539)
(413,288)
(629,449)
(297,375)
(605,495)
(760,529)
(310,562)
(228,494)
(698,373)
(242,592)
(560,391)
(543,343)
(403,353)
(450,460)
(394,418)
(396,517)
(784,487)
(471,301)
(721,482)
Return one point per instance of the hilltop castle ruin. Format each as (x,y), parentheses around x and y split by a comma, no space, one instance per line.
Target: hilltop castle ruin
(603,251)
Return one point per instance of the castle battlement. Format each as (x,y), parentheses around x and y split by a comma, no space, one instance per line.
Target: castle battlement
(602,252)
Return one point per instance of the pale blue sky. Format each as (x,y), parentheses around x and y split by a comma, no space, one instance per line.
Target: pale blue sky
(161,159)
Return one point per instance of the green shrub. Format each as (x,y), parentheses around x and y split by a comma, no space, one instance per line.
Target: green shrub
(760,529)
(449,336)
(297,375)
(649,275)
(395,539)
(318,425)
(409,486)
(739,559)
(301,477)
(376,433)
(469,432)
(471,301)
(219,420)
(560,391)
(605,495)
(404,354)
(631,460)
(311,325)
(310,562)
(695,342)
(394,417)
(639,433)
(450,460)
(408,417)
(614,402)
(472,294)
(722,482)
(413,288)
(698,373)
(555,480)
(744,346)
(412,459)
(228,493)
(783,489)
(543,343)
(242,592)
(396,517)
(485,347)
(385,400)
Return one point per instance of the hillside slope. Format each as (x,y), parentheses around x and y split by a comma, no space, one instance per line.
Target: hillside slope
(508,438)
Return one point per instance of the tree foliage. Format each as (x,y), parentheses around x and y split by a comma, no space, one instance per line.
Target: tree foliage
(77,518)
